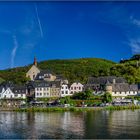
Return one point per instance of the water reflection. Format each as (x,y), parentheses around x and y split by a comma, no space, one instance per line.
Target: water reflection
(98,124)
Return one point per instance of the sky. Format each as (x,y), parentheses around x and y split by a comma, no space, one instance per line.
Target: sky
(65,30)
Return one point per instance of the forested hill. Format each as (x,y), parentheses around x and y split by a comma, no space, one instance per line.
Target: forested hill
(80,69)
(72,69)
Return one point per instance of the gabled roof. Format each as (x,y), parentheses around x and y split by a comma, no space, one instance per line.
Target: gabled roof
(17,89)
(55,83)
(123,87)
(105,79)
(42,73)
(1,87)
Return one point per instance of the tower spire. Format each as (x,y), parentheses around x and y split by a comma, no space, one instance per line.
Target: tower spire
(35,61)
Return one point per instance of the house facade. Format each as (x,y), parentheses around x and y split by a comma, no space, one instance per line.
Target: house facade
(76,87)
(64,91)
(122,89)
(19,92)
(55,89)
(42,89)
(6,93)
(98,84)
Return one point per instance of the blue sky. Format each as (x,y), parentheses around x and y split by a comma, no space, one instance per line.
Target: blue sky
(63,30)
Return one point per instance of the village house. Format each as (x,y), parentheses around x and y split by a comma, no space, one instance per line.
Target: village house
(42,89)
(11,91)
(19,91)
(76,87)
(55,89)
(46,75)
(98,84)
(64,91)
(122,89)
(6,93)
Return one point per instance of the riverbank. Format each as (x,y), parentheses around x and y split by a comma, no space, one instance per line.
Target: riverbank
(75,109)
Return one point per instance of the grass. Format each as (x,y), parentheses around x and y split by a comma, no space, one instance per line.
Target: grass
(75,109)
(54,109)
(132,107)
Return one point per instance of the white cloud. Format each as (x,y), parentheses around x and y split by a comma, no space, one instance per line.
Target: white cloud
(14,50)
(135,21)
(135,45)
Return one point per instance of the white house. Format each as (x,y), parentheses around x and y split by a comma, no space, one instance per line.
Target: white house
(122,89)
(19,92)
(64,91)
(76,87)
(6,93)
(42,89)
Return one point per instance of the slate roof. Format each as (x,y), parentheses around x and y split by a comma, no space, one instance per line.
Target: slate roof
(42,73)
(123,87)
(19,89)
(1,87)
(41,84)
(105,79)
(56,84)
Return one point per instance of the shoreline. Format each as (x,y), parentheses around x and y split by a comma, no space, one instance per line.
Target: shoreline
(73,109)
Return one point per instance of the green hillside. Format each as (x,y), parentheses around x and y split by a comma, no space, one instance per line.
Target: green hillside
(80,69)
(72,69)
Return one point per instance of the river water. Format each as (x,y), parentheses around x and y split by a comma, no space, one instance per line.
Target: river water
(62,125)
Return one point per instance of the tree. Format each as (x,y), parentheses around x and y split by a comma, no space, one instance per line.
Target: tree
(107,97)
(83,95)
(65,100)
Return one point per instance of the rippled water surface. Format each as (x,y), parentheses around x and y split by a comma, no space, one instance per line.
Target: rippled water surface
(97,124)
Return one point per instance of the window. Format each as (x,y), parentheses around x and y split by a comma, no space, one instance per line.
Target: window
(79,88)
(71,88)
(40,94)
(62,92)
(44,88)
(33,76)
(40,89)
(75,88)
(66,87)
(44,94)
(66,92)
(37,94)
(62,87)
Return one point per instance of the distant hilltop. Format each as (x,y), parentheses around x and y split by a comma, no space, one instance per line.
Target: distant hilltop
(80,69)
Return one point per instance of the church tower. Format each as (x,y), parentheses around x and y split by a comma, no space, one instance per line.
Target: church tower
(33,71)
(35,61)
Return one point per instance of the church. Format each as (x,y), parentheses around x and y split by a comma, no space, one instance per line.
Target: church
(35,74)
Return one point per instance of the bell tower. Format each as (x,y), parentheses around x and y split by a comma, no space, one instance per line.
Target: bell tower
(35,61)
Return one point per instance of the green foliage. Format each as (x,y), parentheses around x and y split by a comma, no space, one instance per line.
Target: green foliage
(65,100)
(83,95)
(73,69)
(1,80)
(107,98)
(80,69)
